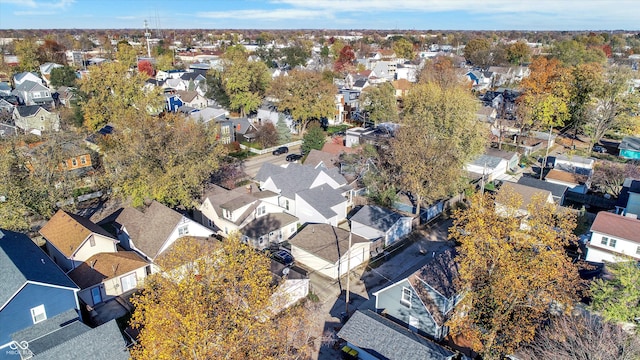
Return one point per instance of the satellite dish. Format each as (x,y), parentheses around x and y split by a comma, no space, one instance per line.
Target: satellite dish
(285,271)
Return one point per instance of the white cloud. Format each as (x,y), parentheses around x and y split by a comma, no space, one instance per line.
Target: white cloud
(58,4)
(267,15)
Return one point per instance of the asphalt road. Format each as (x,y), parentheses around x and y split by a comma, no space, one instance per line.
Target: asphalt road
(253,164)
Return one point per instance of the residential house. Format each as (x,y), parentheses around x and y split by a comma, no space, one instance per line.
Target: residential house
(401,87)
(407,71)
(493,164)
(33,93)
(487,114)
(630,148)
(424,301)
(479,80)
(163,75)
(5,88)
(371,336)
(614,237)
(255,214)
(106,275)
(195,81)
(525,193)
(315,195)
(324,249)
(32,287)
(381,225)
(7,130)
(45,70)
(35,119)
(629,198)
(193,99)
(26,76)
(557,191)
(351,99)
(293,284)
(574,172)
(244,129)
(66,95)
(72,239)
(64,336)
(216,117)
(153,229)
(172,101)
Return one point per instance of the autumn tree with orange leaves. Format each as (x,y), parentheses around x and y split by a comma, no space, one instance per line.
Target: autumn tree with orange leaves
(215,300)
(513,270)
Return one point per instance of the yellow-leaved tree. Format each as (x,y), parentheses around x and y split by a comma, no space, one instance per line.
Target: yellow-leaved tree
(513,268)
(215,300)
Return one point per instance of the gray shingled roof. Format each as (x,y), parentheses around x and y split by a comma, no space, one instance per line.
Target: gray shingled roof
(102,343)
(295,177)
(376,217)
(21,260)
(45,327)
(149,229)
(557,190)
(231,200)
(322,198)
(29,85)
(320,240)
(387,340)
(267,223)
(29,110)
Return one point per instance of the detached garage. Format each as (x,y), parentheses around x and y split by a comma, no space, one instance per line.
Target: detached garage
(325,249)
(375,222)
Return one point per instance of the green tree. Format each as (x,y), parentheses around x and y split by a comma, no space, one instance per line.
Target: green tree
(27,52)
(438,135)
(613,105)
(380,103)
(572,52)
(313,139)
(284,133)
(545,99)
(585,80)
(168,159)
(164,61)
(510,272)
(216,301)
(244,82)
(126,54)
(518,53)
(64,76)
(306,95)
(295,55)
(110,94)
(618,299)
(404,49)
(478,51)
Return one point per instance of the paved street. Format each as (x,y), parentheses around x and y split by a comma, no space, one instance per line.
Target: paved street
(365,281)
(252,165)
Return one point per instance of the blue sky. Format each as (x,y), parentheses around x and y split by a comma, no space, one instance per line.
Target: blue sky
(323,14)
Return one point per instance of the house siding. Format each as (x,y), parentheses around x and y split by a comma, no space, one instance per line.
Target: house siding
(112,287)
(598,252)
(102,244)
(388,300)
(16,315)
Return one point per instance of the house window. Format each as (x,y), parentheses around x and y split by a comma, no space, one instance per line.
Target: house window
(92,241)
(183,230)
(612,243)
(83,160)
(210,222)
(226,213)
(286,204)
(128,282)
(261,210)
(406,296)
(604,241)
(38,314)
(638,250)
(74,162)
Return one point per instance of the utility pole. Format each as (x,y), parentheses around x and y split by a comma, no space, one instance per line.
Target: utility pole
(147,35)
(544,165)
(346,304)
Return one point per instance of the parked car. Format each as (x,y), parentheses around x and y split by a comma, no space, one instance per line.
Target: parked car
(282,256)
(294,157)
(281,150)
(599,149)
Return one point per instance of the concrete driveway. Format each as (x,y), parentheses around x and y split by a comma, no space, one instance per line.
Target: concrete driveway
(364,281)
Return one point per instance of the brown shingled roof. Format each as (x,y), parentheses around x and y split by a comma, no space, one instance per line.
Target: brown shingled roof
(320,240)
(566,177)
(103,266)
(150,229)
(618,226)
(67,231)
